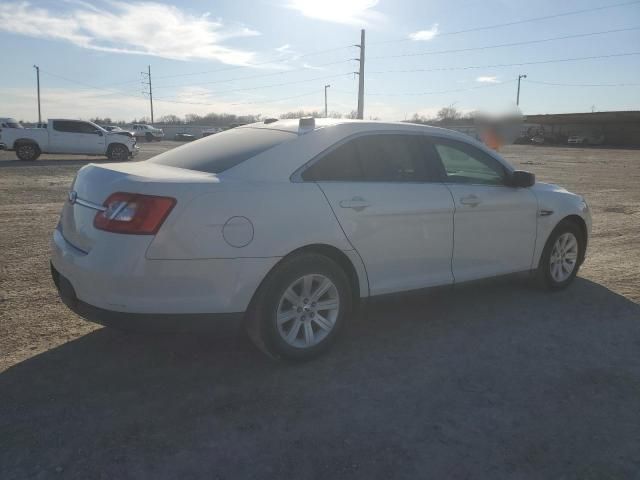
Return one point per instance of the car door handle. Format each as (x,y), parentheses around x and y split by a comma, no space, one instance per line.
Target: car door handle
(356,203)
(470,200)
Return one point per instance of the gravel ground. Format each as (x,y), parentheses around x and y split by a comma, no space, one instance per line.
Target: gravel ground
(489,380)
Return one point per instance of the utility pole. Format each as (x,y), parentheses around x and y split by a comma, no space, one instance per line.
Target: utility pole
(38,80)
(360,74)
(518,94)
(325,101)
(146,80)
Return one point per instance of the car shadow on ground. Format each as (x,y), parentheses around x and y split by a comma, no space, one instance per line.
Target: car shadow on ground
(489,380)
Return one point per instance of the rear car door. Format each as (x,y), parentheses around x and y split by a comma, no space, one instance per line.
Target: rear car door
(399,221)
(69,136)
(494,223)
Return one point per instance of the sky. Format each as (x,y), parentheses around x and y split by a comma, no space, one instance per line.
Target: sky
(273,56)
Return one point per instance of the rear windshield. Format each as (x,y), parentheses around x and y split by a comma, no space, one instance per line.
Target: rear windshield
(221,151)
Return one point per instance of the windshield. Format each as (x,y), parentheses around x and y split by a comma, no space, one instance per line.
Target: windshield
(219,152)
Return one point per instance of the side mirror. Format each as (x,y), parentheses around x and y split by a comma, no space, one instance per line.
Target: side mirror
(522,179)
(99,133)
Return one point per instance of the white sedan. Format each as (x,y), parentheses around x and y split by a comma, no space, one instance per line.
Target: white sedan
(286,226)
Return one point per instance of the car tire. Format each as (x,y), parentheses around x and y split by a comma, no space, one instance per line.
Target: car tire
(118,153)
(287,319)
(148,137)
(562,256)
(28,152)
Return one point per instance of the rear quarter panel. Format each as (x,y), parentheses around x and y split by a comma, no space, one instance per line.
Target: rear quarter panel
(38,135)
(284,216)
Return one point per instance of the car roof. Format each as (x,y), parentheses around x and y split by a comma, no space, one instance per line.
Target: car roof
(293,126)
(279,162)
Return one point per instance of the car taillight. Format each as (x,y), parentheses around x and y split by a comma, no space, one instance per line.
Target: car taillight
(133,213)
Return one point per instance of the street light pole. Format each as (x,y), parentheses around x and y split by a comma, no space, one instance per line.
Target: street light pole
(38,80)
(518,94)
(325,101)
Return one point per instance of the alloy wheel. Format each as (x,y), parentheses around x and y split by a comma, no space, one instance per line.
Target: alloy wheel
(564,257)
(307,311)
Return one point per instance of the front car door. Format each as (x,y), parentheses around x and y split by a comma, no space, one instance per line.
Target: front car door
(398,220)
(494,223)
(91,139)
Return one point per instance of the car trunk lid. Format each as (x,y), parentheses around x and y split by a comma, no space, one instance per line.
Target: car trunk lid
(94,183)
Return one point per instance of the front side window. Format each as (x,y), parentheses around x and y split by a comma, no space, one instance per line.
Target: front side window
(464,163)
(373,158)
(392,158)
(84,127)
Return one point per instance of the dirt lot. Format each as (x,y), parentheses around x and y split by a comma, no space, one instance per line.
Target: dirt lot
(491,380)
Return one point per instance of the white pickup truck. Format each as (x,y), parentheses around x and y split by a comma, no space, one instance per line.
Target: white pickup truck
(68,136)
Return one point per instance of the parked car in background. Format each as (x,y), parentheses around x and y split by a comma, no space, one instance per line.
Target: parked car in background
(289,225)
(585,140)
(577,140)
(148,132)
(68,136)
(211,131)
(118,130)
(184,137)
(6,123)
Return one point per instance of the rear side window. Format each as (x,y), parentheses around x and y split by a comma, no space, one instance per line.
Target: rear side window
(73,127)
(217,153)
(341,164)
(374,158)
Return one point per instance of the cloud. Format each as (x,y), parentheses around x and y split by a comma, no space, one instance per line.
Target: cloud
(312,67)
(425,35)
(350,12)
(146,28)
(487,79)
(284,48)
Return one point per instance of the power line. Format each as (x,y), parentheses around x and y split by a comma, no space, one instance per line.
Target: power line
(519,22)
(272,85)
(585,84)
(266,62)
(252,76)
(235,67)
(243,103)
(511,44)
(437,92)
(111,91)
(501,65)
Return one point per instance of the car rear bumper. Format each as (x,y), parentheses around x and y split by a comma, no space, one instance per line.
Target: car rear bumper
(116,276)
(225,322)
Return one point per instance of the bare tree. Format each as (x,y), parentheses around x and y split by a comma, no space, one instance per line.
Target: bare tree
(448,113)
(302,113)
(171,120)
